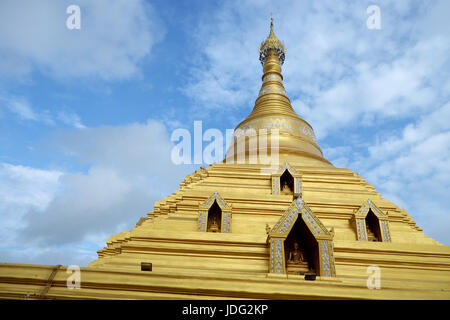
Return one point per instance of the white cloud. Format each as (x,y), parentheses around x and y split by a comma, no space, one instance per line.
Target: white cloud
(22,189)
(114,37)
(129,168)
(71,119)
(135,148)
(430,125)
(27,186)
(21,107)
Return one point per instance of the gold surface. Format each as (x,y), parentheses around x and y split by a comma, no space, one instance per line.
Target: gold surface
(191,263)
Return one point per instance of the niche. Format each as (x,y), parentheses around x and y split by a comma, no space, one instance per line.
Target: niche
(372,227)
(301,250)
(214,218)
(286,183)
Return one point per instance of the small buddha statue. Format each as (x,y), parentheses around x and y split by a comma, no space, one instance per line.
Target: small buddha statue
(295,256)
(285,189)
(370,234)
(214,227)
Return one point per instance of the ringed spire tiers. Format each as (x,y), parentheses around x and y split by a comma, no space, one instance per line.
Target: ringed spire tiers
(273,110)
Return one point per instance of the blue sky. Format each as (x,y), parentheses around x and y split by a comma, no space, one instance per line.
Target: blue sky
(86,115)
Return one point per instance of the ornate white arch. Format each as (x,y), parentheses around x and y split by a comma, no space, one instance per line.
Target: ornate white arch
(297,180)
(360,221)
(203,213)
(281,230)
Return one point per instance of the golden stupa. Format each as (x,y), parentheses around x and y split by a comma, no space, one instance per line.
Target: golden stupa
(303,229)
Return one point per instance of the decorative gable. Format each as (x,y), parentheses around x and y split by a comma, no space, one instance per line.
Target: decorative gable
(360,221)
(204,209)
(281,230)
(276,184)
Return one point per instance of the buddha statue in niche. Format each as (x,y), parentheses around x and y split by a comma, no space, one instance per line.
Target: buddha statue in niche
(297,262)
(285,188)
(370,234)
(214,226)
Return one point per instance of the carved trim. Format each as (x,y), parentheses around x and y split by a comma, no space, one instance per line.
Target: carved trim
(327,268)
(364,209)
(202,218)
(361,229)
(360,223)
(277,263)
(226,221)
(288,219)
(276,185)
(385,230)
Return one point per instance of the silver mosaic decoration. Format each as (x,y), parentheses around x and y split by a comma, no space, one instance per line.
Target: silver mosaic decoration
(282,218)
(384,224)
(315,221)
(202,221)
(277,256)
(310,221)
(288,221)
(278,123)
(327,259)
(385,228)
(325,256)
(361,229)
(209,201)
(224,222)
(275,185)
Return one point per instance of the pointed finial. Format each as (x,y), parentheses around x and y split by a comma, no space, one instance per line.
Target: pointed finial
(271,27)
(271,42)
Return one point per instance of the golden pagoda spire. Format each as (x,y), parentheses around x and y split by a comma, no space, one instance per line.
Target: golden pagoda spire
(273,110)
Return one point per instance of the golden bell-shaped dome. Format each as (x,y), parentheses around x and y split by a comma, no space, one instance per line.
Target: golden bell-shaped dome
(273,110)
